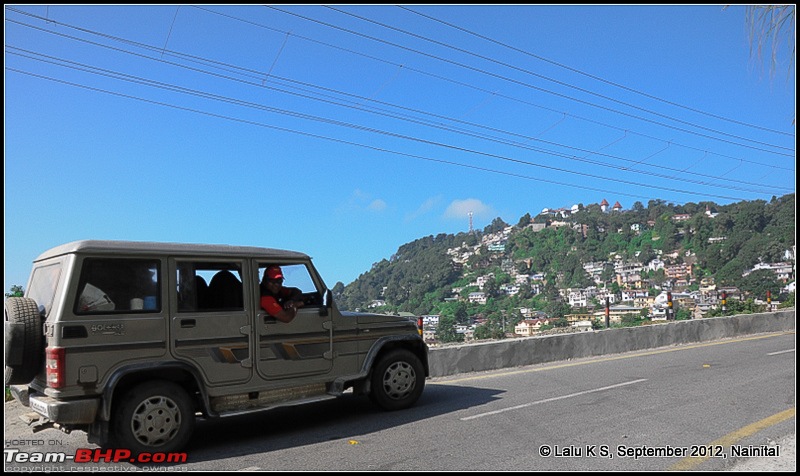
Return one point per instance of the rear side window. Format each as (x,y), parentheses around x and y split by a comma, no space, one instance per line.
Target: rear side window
(42,289)
(118,285)
(209,286)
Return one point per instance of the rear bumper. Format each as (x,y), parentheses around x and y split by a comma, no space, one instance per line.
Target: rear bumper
(70,412)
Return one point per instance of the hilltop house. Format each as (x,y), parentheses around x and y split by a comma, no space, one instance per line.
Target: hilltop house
(529,327)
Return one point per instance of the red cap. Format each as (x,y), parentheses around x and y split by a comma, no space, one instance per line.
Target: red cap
(274,272)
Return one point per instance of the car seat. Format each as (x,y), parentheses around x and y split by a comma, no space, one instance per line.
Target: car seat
(225,291)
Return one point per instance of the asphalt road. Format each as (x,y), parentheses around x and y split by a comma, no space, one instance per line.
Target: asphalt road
(641,411)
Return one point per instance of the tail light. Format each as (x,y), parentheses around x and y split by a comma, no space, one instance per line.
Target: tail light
(419,325)
(54,365)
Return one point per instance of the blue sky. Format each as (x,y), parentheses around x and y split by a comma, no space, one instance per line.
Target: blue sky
(347,131)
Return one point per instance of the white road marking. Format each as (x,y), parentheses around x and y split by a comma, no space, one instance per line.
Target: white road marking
(781,352)
(524,405)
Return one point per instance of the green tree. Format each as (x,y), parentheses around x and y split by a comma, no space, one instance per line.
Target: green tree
(666,230)
(338,291)
(446,330)
(525,291)
(647,253)
(682,314)
(787,302)
(608,274)
(736,306)
(497,225)
(630,320)
(757,283)
(561,322)
(490,288)
(15,291)
(557,309)
(492,328)
(461,314)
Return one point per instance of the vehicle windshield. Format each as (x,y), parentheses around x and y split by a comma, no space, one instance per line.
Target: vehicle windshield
(42,287)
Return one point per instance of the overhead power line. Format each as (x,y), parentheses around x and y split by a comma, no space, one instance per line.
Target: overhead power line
(174,88)
(596,78)
(527,85)
(260,75)
(414,120)
(381,149)
(510,98)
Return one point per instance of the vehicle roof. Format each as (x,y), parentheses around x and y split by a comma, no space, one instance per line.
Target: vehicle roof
(173,249)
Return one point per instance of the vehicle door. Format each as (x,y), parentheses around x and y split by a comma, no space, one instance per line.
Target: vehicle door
(116,314)
(303,346)
(210,327)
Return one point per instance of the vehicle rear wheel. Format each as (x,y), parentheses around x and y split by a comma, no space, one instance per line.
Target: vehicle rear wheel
(24,340)
(154,416)
(397,380)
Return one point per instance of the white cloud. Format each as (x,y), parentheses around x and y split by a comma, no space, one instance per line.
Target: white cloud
(377,205)
(360,201)
(359,197)
(426,207)
(460,209)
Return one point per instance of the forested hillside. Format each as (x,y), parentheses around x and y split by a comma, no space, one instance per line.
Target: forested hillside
(720,241)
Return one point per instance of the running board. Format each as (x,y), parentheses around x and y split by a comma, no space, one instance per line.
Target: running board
(245,402)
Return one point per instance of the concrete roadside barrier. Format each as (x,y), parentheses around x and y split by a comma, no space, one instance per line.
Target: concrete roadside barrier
(451,360)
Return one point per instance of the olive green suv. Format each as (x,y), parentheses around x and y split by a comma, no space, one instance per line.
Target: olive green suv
(131,341)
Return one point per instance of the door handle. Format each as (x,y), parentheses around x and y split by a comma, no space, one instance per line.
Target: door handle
(269,319)
(188,323)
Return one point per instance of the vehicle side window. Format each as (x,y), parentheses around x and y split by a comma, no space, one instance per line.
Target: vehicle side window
(209,286)
(118,285)
(296,276)
(44,280)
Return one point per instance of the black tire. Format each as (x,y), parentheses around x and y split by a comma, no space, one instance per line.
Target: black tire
(397,380)
(24,340)
(153,416)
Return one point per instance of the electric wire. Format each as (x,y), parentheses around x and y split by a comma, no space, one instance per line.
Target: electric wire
(208,96)
(232,68)
(588,75)
(381,149)
(541,76)
(54,60)
(527,85)
(427,74)
(467,85)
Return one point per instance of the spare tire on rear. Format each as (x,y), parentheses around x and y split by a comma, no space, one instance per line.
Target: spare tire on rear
(24,340)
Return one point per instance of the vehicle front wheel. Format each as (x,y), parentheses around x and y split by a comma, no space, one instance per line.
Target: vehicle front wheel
(154,416)
(397,380)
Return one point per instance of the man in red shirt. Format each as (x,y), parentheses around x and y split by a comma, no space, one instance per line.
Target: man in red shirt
(280,302)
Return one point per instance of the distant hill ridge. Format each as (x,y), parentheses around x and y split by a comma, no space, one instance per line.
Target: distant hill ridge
(718,241)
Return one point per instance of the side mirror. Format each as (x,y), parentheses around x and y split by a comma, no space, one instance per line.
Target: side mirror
(323,311)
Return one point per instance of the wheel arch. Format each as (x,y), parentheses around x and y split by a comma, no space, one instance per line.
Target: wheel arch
(130,376)
(387,344)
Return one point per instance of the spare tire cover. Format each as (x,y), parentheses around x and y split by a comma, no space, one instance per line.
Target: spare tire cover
(24,340)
